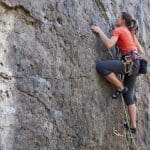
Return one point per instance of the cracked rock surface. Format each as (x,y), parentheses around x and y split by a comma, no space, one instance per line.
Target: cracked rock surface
(51,97)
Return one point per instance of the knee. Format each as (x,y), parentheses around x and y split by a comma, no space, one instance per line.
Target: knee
(102,67)
(128,99)
(128,103)
(99,67)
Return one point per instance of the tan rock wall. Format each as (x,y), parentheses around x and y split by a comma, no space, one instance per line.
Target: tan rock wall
(51,97)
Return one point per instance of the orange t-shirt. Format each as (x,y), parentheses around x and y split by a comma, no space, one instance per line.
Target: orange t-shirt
(125,40)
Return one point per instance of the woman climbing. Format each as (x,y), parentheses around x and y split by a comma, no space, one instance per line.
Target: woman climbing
(124,37)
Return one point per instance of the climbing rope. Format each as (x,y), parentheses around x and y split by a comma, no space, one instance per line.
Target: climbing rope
(115,132)
(124,135)
(127,120)
(126,142)
(127,137)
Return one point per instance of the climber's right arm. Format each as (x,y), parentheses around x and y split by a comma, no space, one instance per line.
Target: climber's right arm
(108,42)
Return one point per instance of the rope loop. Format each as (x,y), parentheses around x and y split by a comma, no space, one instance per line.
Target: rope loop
(115,132)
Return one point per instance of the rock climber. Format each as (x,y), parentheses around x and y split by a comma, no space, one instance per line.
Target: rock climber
(124,37)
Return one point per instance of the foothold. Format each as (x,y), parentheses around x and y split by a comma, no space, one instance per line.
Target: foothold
(7,94)
(5,76)
(9,110)
(1,63)
(1,91)
(59,20)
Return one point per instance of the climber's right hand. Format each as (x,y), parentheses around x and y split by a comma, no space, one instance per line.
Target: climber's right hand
(96,29)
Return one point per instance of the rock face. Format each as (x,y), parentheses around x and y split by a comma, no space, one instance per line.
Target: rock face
(51,97)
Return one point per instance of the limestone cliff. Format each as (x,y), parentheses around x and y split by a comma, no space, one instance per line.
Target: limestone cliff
(51,97)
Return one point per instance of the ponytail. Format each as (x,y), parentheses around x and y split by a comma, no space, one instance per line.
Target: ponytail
(130,22)
(134,26)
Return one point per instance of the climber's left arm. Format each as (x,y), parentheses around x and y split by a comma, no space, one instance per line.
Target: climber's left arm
(139,47)
(108,42)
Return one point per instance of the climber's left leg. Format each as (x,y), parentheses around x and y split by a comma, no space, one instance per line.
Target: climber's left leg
(129,98)
(132,114)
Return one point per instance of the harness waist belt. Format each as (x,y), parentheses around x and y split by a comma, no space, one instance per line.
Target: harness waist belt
(133,55)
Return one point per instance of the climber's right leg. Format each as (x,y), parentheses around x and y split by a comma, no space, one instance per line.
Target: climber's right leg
(108,69)
(114,80)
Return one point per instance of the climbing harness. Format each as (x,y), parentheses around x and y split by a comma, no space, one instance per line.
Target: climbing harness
(128,61)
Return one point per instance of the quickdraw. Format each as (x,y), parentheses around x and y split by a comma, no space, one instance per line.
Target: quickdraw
(128,64)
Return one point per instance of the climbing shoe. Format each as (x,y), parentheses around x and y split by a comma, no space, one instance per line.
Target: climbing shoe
(118,92)
(126,125)
(133,130)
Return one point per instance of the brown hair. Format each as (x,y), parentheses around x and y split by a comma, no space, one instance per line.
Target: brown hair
(130,22)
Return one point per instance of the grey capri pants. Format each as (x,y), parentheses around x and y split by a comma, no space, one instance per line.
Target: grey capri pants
(116,66)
